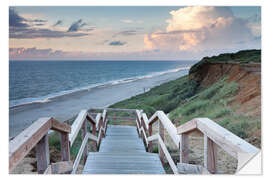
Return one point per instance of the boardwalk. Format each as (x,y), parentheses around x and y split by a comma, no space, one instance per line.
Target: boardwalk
(122,152)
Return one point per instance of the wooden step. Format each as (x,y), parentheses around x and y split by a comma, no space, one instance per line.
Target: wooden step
(122,152)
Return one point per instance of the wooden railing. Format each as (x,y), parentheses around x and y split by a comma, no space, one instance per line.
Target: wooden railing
(214,135)
(37,136)
(80,123)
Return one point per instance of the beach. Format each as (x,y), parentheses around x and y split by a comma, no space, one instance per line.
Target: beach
(66,106)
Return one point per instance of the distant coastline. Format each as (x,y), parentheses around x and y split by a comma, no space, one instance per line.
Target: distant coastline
(67,105)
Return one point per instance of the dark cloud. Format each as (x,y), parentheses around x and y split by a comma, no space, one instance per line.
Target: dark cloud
(15,20)
(40,24)
(117,43)
(59,22)
(19,29)
(126,33)
(41,33)
(76,26)
(34,52)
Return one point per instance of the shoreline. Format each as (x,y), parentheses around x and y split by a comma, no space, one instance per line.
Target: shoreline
(67,106)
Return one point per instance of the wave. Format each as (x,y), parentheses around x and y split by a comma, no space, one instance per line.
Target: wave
(50,97)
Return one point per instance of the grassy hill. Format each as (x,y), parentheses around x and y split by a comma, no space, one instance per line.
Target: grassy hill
(184,99)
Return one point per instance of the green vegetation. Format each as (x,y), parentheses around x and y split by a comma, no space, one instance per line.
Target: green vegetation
(165,97)
(184,100)
(245,56)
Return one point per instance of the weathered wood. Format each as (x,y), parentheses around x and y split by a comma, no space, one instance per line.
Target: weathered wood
(184,168)
(210,155)
(76,126)
(224,138)
(116,109)
(153,119)
(145,121)
(184,148)
(98,117)
(60,127)
(160,150)
(90,119)
(150,145)
(170,128)
(187,127)
(94,132)
(43,154)
(83,134)
(167,155)
(20,146)
(79,155)
(65,147)
(63,167)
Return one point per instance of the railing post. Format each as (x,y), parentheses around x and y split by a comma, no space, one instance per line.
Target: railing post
(43,154)
(84,131)
(184,148)
(94,132)
(161,134)
(150,145)
(65,147)
(210,155)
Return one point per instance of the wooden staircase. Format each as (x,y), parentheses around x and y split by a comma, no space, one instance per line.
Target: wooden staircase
(122,152)
(122,149)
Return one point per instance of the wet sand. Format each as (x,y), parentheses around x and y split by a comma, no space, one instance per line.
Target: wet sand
(67,106)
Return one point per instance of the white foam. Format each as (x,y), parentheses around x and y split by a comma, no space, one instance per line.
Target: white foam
(48,98)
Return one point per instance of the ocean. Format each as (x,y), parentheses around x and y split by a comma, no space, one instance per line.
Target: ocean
(61,88)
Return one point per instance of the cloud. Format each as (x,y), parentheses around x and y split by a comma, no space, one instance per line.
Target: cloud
(129,21)
(22,28)
(35,53)
(117,43)
(199,28)
(59,22)
(15,20)
(41,33)
(76,26)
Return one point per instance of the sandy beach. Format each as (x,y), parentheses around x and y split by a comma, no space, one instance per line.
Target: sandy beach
(67,106)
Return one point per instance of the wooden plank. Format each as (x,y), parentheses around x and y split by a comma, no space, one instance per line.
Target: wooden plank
(79,155)
(83,134)
(98,119)
(145,120)
(187,127)
(116,109)
(210,155)
(43,154)
(60,127)
(65,147)
(92,137)
(224,138)
(76,126)
(161,135)
(150,145)
(184,168)
(184,148)
(90,119)
(153,119)
(94,133)
(20,146)
(167,155)
(169,126)
(63,167)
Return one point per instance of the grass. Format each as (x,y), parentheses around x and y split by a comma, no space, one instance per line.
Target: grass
(165,97)
(244,56)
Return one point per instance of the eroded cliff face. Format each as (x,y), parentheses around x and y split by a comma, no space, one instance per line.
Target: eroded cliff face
(248,77)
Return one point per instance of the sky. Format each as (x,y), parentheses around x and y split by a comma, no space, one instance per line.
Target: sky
(131,33)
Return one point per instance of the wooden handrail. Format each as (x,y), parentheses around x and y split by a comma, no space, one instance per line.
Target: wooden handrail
(35,135)
(214,135)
